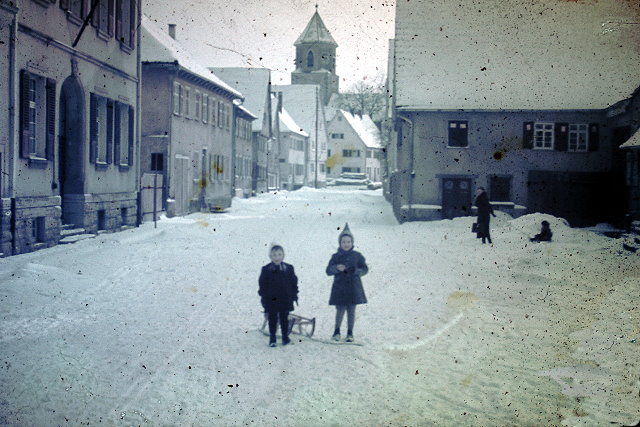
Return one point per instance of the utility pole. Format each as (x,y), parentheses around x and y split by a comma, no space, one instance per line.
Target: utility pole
(315,169)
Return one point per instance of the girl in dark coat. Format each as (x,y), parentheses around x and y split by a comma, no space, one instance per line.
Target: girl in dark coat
(484,210)
(278,290)
(346,266)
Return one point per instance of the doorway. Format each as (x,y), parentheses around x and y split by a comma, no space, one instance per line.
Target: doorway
(71,150)
(456,197)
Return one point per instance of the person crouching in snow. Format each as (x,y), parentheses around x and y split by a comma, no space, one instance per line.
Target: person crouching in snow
(278,289)
(545,233)
(346,266)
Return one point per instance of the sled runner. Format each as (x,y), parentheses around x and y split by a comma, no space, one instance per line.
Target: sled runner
(297,324)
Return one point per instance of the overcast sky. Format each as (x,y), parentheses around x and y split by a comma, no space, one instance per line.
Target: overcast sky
(258,33)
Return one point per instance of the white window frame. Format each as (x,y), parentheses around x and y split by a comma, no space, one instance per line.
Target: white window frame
(177,98)
(205,108)
(186,100)
(540,141)
(37,116)
(574,142)
(197,101)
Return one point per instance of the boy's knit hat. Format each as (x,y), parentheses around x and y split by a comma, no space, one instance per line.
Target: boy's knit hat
(345,232)
(274,245)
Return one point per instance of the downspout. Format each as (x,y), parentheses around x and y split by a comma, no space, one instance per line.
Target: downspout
(138,152)
(234,142)
(13,150)
(412,172)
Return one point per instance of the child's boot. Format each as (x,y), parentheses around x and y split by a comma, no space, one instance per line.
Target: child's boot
(336,335)
(272,341)
(349,336)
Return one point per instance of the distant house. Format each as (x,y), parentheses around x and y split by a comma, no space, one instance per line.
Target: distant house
(512,98)
(255,85)
(625,128)
(187,125)
(69,151)
(354,146)
(292,142)
(243,146)
(304,104)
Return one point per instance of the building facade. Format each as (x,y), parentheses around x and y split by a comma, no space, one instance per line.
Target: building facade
(187,126)
(72,150)
(475,112)
(354,146)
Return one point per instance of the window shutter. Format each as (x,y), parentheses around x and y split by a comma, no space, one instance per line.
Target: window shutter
(131,135)
(111,18)
(133,23)
(93,117)
(527,135)
(51,118)
(594,136)
(24,114)
(110,131)
(119,11)
(95,6)
(64,4)
(117,128)
(561,137)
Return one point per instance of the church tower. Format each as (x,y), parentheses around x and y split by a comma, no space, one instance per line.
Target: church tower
(316,58)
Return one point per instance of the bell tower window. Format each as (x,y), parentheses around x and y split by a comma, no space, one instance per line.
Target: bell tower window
(310,59)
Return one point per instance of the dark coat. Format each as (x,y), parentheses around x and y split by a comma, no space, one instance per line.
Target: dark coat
(484,214)
(544,235)
(278,287)
(347,287)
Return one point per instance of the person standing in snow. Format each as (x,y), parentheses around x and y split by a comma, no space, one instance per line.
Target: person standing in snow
(545,233)
(346,266)
(484,210)
(278,289)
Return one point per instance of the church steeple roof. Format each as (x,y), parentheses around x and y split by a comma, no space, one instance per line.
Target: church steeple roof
(315,32)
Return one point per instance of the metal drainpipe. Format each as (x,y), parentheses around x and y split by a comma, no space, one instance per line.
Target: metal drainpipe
(412,173)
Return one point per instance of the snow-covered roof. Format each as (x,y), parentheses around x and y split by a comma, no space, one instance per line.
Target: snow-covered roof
(254,85)
(159,47)
(521,54)
(315,32)
(246,112)
(287,123)
(633,142)
(365,128)
(300,101)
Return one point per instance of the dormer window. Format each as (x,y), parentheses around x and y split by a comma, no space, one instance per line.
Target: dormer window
(310,59)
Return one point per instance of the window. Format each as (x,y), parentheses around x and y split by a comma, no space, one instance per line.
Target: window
(350,153)
(186,101)
(196,110)
(75,8)
(310,59)
(458,133)
(157,162)
(177,98)
(299,169)
(125,22)
(212,109)
(337,136)
(111,127)
(38,229)
(543,136)
(578,137)
(38,116)
(220,114)
(103,17)
(500,188)
(205,108)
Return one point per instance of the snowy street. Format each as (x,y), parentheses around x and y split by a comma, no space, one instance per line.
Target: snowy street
(161,326)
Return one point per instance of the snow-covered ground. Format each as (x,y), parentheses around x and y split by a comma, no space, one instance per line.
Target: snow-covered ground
(161,326)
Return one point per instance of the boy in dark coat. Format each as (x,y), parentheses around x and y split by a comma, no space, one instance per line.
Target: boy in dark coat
(545,233)
(278,290)
(346,266)
(484,210)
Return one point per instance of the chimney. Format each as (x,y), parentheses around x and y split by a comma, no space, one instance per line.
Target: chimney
(279,102)
(172,31)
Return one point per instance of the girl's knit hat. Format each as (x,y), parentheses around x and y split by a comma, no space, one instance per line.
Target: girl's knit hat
(345,232)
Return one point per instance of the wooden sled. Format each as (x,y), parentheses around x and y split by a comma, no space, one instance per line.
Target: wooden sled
(297,324)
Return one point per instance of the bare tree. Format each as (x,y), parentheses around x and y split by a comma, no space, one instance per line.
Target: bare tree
(365,97)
